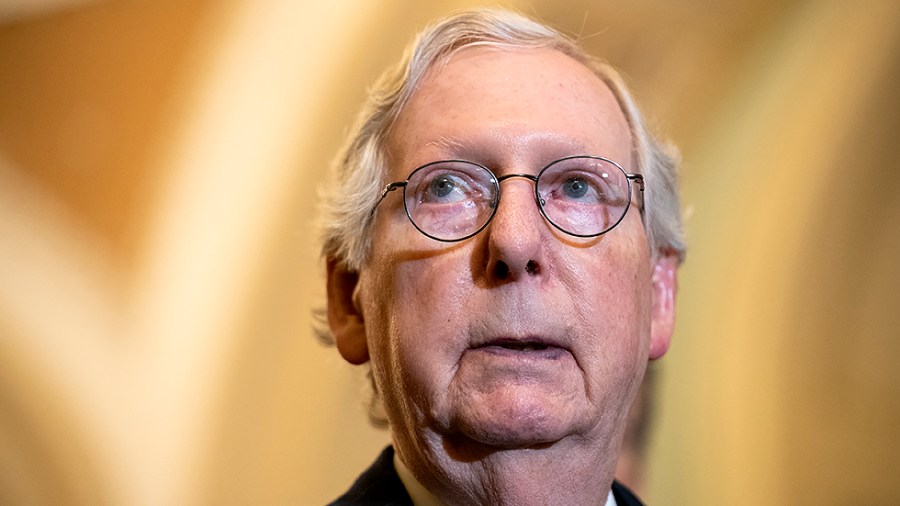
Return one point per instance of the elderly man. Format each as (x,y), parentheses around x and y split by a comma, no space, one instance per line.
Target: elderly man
(501,243)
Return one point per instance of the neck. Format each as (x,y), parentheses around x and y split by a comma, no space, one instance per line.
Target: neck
(560,473)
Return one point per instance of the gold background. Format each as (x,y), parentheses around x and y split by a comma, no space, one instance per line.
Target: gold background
(158,171)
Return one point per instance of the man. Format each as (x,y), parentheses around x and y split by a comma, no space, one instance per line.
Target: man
(502,239)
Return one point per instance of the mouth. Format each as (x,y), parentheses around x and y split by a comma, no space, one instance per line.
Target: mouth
(521,345)
(535,346)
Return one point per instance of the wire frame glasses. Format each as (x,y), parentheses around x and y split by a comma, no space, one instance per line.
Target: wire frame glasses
(452,200)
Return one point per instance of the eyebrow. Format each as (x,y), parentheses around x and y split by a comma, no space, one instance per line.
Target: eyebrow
(551,149)
(448,144)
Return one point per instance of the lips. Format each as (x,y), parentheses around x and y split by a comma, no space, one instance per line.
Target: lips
(524,346)
(517,345)
(530,345)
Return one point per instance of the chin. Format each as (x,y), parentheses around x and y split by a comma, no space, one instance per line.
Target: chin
(520,425)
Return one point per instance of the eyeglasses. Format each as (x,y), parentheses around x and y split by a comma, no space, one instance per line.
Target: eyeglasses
(452,200)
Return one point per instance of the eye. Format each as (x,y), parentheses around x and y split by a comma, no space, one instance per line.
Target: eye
(450,183)
(444,187)
(575,188)
(583,181)
(441,186)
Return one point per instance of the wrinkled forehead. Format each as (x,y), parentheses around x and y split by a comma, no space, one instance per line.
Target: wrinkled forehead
(522,105)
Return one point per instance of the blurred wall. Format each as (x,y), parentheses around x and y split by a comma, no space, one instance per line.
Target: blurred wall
(158,263)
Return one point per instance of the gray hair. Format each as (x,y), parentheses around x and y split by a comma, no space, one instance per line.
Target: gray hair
(360,168)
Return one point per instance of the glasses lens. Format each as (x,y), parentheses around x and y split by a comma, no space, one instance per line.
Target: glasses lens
(583,196)
(451,200)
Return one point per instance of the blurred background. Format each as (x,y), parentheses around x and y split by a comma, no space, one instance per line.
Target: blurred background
(158,263)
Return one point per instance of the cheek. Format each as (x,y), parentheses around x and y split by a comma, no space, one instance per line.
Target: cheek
(622,348)
(611,292)
(414,326)
(429,310)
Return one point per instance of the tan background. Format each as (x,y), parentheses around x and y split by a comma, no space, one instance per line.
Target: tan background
(158,165)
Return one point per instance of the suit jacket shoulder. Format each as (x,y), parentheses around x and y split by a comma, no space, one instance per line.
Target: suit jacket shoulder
(624,497)
(379,485)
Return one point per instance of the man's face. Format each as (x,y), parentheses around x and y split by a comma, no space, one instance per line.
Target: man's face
(521,335)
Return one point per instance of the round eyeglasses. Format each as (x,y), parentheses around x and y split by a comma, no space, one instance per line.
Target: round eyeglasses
(452,200)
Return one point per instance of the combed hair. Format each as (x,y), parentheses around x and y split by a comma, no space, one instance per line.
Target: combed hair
(360,170)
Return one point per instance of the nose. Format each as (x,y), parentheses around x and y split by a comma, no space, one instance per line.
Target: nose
(515,234)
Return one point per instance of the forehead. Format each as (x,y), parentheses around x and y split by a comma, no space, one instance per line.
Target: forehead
(508,106)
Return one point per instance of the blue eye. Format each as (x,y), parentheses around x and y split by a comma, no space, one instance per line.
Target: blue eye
(441,186)
(575,188)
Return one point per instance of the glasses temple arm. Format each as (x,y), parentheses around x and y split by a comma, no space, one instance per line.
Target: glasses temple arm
(387,189)
(639,179)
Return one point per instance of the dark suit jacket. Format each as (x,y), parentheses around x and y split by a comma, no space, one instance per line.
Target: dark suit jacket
(381,486)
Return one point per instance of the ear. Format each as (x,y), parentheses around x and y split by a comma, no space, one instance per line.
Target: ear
(344,315)
(664,287)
